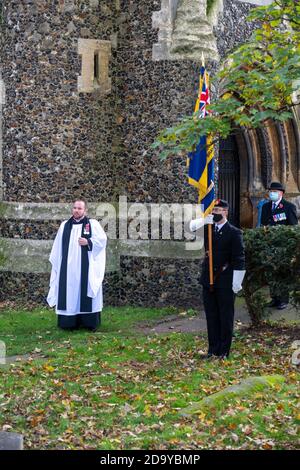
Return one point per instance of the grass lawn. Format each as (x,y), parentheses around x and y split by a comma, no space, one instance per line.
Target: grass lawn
(121,389)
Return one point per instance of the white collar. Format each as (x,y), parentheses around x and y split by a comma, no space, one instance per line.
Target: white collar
(277,202)
(221,225)
(79,220)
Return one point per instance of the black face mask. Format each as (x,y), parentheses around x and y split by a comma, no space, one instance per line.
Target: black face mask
(217,217)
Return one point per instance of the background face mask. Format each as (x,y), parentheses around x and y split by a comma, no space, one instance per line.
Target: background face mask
(274,196)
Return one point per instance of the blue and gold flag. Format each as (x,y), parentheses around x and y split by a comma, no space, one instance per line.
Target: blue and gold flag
(201,161)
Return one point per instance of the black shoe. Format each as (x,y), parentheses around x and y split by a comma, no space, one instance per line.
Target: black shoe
(224,357)
(205,357)
(68,328)
(273,303)
(281,306)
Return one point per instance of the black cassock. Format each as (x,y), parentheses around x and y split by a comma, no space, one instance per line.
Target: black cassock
(87,320)
(228,256)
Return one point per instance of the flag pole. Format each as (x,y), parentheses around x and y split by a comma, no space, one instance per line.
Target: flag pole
(194,179)
(210,259)
(210,252)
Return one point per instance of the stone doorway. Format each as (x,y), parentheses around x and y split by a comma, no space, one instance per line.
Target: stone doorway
(229,177)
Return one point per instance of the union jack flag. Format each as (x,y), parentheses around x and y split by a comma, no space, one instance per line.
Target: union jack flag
(201,161)
(204,97)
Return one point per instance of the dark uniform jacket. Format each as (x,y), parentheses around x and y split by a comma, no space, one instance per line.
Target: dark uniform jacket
(228,255)
(284,214)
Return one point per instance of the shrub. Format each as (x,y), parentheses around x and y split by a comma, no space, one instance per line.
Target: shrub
(272,259)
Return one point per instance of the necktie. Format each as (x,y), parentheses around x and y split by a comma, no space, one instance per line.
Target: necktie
(274,206)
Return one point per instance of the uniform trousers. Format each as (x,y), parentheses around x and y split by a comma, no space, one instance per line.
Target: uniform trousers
(219,311)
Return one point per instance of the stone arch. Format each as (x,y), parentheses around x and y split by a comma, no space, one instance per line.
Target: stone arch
(292,137)
(265,157)
(265,154)
(278,165)
(247,175)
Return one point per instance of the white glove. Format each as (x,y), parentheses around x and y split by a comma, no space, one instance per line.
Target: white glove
(237,280)
(209,219)
(197,223)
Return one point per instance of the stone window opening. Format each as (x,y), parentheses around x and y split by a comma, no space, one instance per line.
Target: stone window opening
(96,69)
(95,57)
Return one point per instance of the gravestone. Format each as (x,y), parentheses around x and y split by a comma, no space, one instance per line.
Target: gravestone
(11,441)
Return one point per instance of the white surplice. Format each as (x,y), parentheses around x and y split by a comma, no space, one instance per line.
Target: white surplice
(96,269)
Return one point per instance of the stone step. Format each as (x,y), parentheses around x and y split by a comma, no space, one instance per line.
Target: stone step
(11,441)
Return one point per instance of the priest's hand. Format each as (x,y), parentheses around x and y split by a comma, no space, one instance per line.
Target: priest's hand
(82,241)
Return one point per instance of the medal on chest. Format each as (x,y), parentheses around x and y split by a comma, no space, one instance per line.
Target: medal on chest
(86,229)
(279,217)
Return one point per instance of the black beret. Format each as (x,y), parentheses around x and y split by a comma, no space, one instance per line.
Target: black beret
(222,203)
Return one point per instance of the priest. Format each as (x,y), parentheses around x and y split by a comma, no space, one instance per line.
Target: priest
(78,265)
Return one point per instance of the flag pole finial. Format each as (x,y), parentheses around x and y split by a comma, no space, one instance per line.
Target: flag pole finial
(203,60)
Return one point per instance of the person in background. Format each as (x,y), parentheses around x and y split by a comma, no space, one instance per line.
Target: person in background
(278,211)
(259,209)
